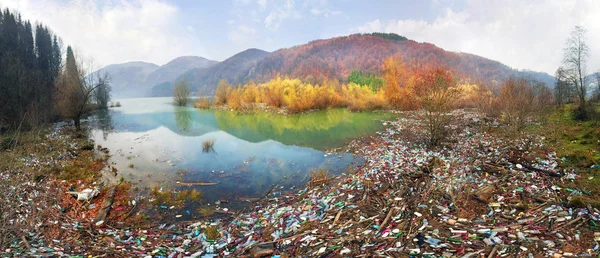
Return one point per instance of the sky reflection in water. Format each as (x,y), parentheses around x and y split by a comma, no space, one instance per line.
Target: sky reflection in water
(251,153)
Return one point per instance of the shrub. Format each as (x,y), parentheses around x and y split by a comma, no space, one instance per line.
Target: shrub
(319,177)
(207,145)
(181,93)
(203,102)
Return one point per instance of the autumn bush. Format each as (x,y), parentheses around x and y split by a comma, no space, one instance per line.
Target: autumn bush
(520,102)
(357,97)
(470,95)
(203,102)
(298,96)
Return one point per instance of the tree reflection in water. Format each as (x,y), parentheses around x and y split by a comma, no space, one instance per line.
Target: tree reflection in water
(105,123)
(183,117)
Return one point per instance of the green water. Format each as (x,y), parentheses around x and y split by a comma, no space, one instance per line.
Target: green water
(251,153)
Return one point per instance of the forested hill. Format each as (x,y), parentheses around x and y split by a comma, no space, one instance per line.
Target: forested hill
(337,57)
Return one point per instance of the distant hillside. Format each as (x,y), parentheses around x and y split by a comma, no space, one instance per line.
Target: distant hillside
(135,79)
(236,69)
(177,67)
(331,58)
(549,80)
(128,79)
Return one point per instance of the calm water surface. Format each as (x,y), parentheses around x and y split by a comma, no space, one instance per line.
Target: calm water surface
(251,153)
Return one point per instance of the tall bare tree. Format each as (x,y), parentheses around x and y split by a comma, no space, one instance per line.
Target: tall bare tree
(574,62)
(563,87)
(75,88)
(516,103)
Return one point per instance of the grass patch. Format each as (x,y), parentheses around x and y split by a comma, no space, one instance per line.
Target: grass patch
(577,144)
(319,177)
(206,211)
(189,196)
(172,198)
(212,233)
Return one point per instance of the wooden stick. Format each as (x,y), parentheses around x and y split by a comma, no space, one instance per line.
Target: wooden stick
(493,252)
(387,218)
(337,217)
(294,236)
(25,241)
(568,223)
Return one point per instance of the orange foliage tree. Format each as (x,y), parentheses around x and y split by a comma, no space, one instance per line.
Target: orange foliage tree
(436,95)
(398,92)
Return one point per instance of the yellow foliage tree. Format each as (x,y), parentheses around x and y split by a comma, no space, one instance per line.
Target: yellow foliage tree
(222,92)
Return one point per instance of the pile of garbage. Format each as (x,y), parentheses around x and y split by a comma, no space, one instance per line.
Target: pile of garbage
(478,195)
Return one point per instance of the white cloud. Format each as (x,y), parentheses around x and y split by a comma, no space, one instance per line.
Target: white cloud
(262,4)
(370,26)
(276,16)
(190,28)
(242,35)
(326,12)
(521,34)
(113,31)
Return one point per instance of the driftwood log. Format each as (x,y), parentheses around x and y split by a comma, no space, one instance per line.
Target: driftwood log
(106,205)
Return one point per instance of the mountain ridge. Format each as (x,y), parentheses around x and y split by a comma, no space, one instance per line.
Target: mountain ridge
(335,58)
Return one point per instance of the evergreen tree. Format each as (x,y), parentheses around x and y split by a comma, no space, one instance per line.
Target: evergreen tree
(29,61)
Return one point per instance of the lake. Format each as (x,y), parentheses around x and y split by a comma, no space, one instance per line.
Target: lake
(154,143)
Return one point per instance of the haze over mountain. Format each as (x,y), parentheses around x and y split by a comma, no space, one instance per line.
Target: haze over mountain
(314,61)
(236,69)
(128,79)
(177,66)
(135,79)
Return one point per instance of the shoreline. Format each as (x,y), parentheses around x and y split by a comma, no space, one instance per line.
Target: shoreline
(405,199)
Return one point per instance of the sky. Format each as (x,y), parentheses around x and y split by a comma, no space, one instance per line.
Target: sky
(522,34)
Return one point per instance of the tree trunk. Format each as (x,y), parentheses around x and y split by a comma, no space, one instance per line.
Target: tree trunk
(77,121)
